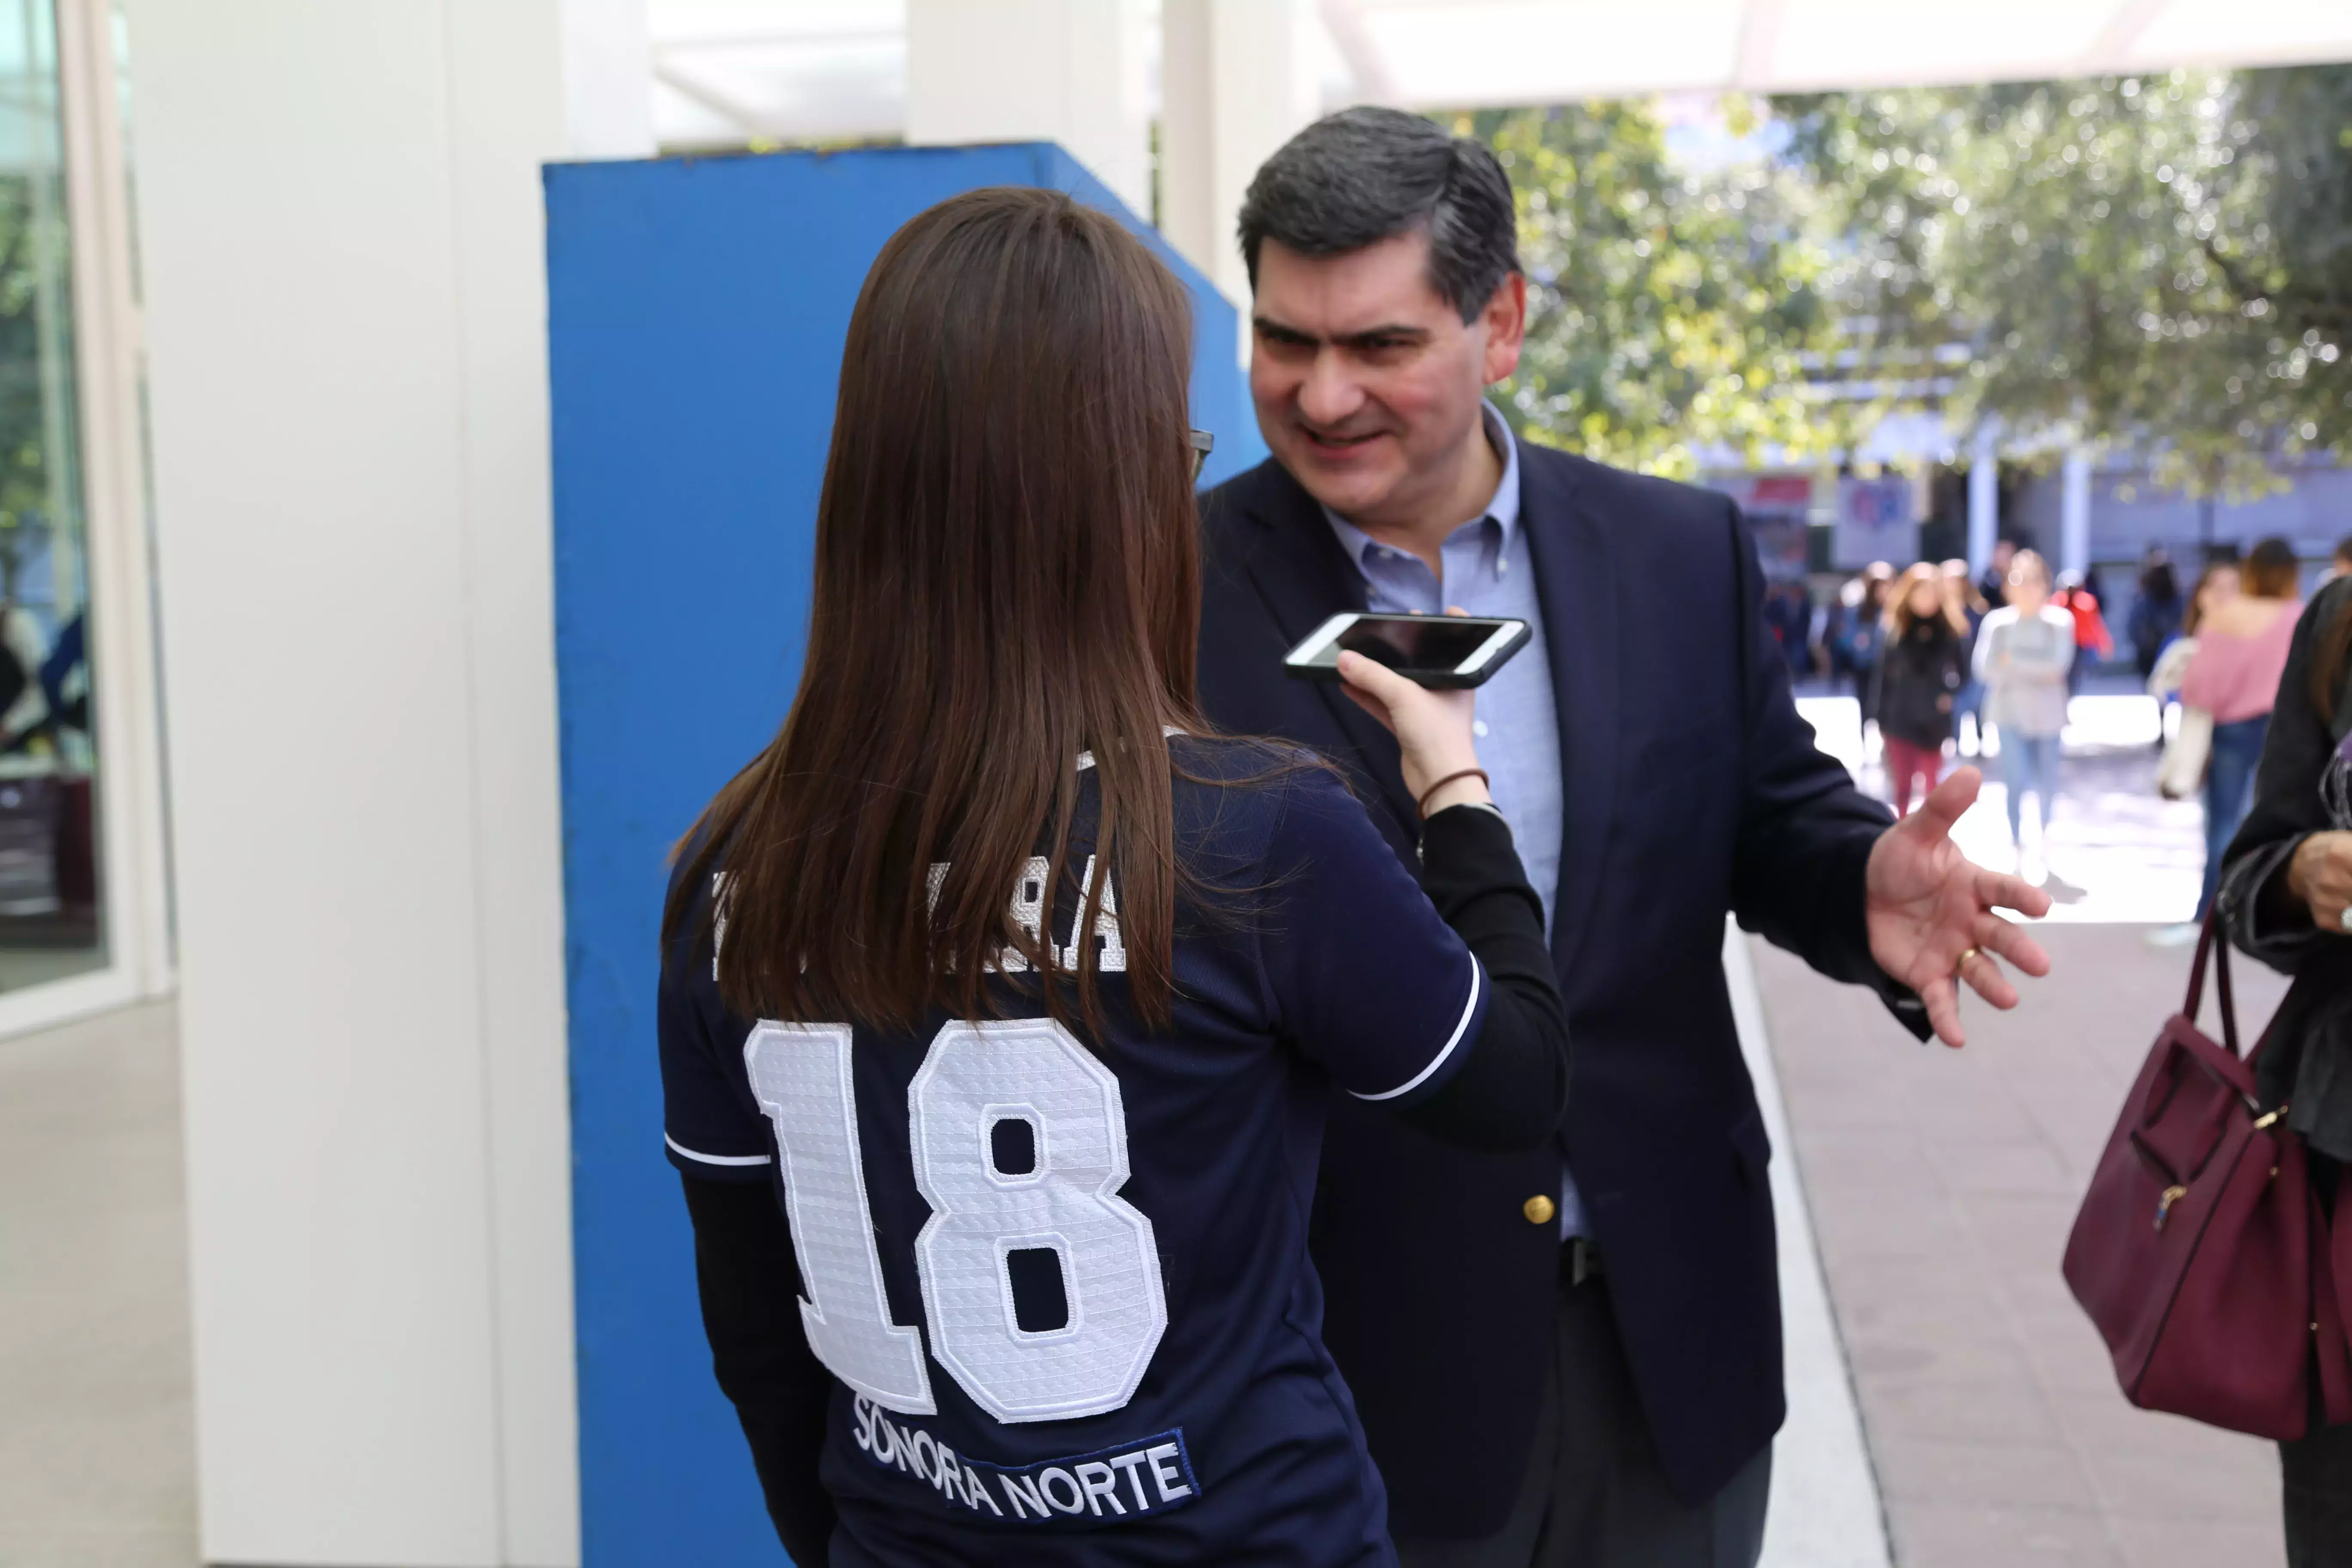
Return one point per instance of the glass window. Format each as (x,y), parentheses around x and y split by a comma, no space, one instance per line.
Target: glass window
(51,922)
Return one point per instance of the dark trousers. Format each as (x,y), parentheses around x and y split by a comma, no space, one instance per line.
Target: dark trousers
(2315,1469)
(2229,792)
(2315,1483)
(1594,1496)
(1906,762)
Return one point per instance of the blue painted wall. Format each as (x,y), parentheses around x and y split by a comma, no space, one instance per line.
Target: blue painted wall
(697,313)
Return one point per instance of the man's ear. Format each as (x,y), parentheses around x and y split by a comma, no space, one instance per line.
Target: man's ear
(1506,318)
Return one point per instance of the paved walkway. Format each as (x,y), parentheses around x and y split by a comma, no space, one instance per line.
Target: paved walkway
(1941,1186)
(97,1432)
(2132,855)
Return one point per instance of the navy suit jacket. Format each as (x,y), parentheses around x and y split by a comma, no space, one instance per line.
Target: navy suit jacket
(1690,787)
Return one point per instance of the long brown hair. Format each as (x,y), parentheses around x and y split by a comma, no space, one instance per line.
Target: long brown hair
(2329,656)
(1899,618)
(2271,570)
(2194,612)
(2028,563)
(1007,574)
(1960,591)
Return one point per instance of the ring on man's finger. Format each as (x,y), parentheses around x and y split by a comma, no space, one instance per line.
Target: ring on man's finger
(1961,967)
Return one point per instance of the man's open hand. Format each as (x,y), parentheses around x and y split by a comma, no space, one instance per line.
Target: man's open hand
(1926,905)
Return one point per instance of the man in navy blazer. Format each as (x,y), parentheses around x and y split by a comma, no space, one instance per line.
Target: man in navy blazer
(1570,1357)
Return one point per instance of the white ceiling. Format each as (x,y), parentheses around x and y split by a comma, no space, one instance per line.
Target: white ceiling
(800,69)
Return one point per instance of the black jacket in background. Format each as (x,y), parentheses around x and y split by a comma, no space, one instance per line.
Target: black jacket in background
(1691,788)
(1928,663)
(2306,1055)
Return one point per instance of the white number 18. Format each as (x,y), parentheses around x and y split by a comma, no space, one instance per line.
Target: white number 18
(974,1076)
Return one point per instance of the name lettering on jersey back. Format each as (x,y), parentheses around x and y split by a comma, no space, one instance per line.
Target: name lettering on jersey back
(1032,899)
(1029,902)
(1134,1481)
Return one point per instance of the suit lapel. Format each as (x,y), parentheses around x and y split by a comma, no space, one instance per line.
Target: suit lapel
(1303,577)
(1575,583)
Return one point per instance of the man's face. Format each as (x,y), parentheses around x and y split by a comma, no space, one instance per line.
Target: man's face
(1367,382)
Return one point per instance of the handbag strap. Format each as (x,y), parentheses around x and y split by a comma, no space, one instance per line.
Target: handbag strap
(2210,943)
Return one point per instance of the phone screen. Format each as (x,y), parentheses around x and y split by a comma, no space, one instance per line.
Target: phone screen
(1414,645)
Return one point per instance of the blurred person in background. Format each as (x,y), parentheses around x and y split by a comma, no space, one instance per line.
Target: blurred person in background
(1857,632)
(65,677)
(1961,598)
(2241,649)
(1994,584)
(2287,899)
(2181,772)
(2092,642)
(24,705)
(2156,611)
(1838,617)
(1920,673)
(1870,637)
(1788,616)
(2024,651)
(2216,585)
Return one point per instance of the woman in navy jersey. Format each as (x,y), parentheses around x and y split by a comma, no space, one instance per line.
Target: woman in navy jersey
(1001,998)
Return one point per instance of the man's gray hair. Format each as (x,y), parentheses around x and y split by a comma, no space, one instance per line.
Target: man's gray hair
(1363,175)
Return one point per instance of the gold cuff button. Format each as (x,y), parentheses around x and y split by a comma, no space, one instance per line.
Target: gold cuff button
(1539,1209)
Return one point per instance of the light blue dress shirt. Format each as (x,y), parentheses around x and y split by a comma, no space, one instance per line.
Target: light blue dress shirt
(1489,572)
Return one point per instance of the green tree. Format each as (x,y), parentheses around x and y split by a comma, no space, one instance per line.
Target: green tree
(2160,259)
(1670,310)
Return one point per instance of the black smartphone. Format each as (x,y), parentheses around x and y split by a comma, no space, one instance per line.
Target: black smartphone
(1442,651)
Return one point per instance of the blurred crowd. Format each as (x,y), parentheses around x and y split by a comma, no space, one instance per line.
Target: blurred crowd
(1945,664)
(1843,637)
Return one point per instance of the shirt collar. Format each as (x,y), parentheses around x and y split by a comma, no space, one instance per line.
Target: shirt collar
(1504,507)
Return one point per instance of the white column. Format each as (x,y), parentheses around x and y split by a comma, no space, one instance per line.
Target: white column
(1984,497)
(2074,511)
(350,438)
(1237,80)
(133,858)
(1071,71)
(608,101)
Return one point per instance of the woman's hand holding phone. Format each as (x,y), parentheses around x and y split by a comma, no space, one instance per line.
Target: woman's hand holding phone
(1432,728)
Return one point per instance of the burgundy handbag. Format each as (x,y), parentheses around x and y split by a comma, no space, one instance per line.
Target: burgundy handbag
(2200,1251)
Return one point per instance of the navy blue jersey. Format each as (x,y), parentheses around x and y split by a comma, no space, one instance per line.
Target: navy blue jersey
(1063,1284)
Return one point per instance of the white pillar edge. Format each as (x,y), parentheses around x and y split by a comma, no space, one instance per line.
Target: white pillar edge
(1068,71)
(2074,511)
(133,866)
(373,1016)
(1236,82)
(607,61)
(1825,1511)
(1984,496)
(528,84)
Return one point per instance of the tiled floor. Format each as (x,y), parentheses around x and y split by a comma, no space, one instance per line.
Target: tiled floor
(1942,1185)
(97,1467)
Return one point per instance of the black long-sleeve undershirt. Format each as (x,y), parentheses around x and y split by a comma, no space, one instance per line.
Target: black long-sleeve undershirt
(1511,1091)
(749,1279)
